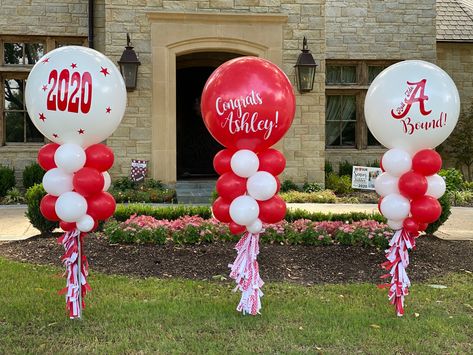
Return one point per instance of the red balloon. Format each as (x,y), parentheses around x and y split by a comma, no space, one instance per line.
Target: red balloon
(248,103)
(67,226)
(427,162)
(410,225)
(88,181)
(99,157)
(379,205)
(272,210)
(236,228)
(425,209)
(278,184)
(422,226)
(230,186)
(222,161)
(47,207)
(221,210)
(412,185)
(46,156)
(101,206)
(381,165)
(272,161)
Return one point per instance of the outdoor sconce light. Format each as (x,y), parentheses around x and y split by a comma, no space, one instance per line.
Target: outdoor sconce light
(129,65)
(305,69)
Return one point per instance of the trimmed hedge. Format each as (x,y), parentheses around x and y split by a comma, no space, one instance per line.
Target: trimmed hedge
(33,198)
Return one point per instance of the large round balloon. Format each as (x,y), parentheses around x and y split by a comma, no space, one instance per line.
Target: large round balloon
(75,95)
(248,103)
(412,105)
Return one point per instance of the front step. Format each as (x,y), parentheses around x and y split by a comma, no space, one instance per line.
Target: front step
(195,191)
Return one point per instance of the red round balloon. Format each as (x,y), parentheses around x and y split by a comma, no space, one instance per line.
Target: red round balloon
(379,205)
(272,161)
(381,165)
(67,226)
(248,103)
(222,161)
(272,210)
(410,225)
(422,226)
(412,185)
(101,206)
(88,181)
(427,162)
(425,209)
(221,210)
(230,186)
(236,228)
(278,184)
(47,207)
(99,156)
(46,156)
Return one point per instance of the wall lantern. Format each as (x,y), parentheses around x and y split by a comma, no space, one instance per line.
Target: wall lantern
(129,65)
(305,69)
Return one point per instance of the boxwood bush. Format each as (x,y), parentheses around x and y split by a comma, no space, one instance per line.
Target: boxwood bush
(33,198)
(33,174)
(7,179)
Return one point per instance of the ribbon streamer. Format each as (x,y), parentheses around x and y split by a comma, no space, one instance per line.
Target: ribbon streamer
(245,272)
(74,259)
(398,261)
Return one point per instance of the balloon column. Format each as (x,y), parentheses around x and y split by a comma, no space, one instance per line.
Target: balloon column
(411,107)
(248,105)
(76,97)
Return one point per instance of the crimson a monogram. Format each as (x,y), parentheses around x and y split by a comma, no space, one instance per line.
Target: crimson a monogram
(416,95)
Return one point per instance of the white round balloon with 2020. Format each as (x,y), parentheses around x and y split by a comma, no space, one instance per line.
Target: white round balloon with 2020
(412,105)
(75,95)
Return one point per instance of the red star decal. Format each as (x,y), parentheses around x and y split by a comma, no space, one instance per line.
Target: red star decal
(73,65)
(45,87)
(81,131)
(108,109)
(104,71)
(42,117)
(55,135)
(45,60)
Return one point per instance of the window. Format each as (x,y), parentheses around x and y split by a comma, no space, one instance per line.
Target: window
(18,55)
(346,85)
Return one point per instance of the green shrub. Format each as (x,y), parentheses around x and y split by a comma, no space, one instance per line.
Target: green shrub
(33,174)
(328,168)
(374,164)
(123,183)
(312,187)
(339,184)
(345,168)
(144,196)
(33,198)
(288,185)
(325,196)
(13,196)
(446,212)
(134,234)
(7,179)
(293,215)
(123,212)
(468,186)
(460,198)
(453,179)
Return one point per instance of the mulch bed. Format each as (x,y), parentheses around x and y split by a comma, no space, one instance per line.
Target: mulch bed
(299,264)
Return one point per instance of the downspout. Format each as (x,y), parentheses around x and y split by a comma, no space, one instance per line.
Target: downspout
(91,23)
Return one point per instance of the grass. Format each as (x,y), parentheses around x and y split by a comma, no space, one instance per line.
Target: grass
(130,315)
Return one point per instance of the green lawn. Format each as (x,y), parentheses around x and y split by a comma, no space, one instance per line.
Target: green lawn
(129,315)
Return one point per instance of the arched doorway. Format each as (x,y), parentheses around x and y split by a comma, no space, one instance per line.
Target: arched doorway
(195,146)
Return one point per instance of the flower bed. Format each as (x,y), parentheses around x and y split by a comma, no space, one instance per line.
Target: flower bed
(194,229)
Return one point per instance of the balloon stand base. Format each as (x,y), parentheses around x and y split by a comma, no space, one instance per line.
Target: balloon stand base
(245,272)
(397,263)
(76,273)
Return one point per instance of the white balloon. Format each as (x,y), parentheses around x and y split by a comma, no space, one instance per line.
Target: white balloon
(261,186)
(395,207)
(75,95)
(386,184)
(244,210)
(244,163)
(70,157)
(412,105)
(56,181)
(85,223)
(107,180)
(396,162)
(436,186)
(70,206)
(396,225)
(255,227)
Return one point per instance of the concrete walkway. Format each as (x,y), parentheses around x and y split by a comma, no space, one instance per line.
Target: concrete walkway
(15,226)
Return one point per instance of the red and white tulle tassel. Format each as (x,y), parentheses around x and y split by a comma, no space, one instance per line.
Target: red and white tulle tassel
(398,261)
(245,272)
(72,242)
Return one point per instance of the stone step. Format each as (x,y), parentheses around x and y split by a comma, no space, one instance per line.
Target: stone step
(195,191)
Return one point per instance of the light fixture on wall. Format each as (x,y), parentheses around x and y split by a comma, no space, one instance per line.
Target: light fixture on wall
(129,65)
(305,69)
